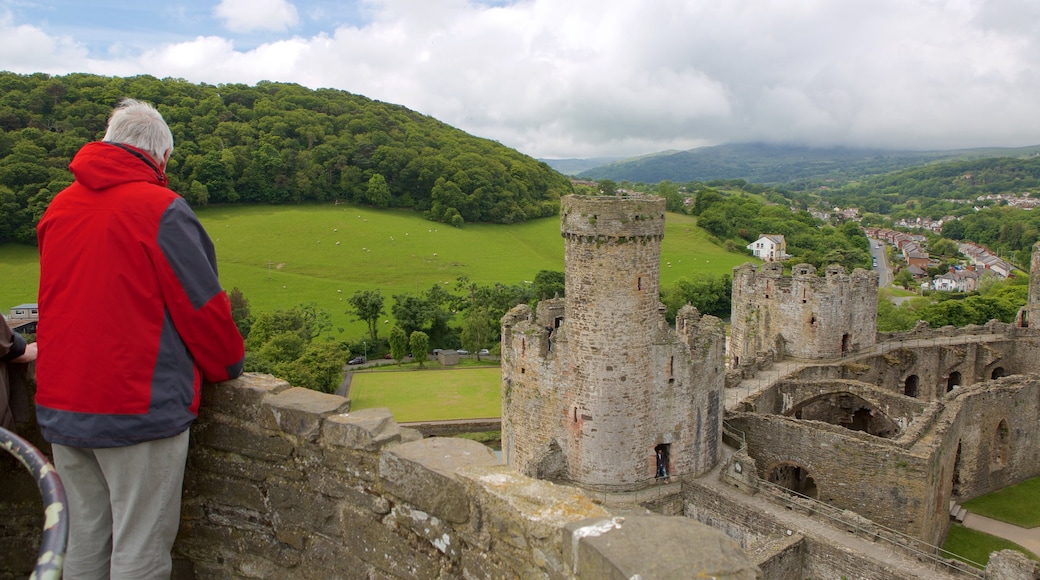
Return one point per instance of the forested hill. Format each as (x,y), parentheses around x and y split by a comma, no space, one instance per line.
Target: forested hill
(270,143)
(781,164)
(950,181)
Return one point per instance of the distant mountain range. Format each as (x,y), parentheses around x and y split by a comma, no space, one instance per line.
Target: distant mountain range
(766,163)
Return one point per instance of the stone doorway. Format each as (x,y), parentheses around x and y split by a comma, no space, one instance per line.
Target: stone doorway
(795,478)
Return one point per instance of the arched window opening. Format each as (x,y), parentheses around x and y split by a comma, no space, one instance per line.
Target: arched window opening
(910,386)
(953,381)
(1001,445)
(997,373)
(795,478)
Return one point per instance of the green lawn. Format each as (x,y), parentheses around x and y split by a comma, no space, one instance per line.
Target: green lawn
(433,394)
(974,547)
(1016,505)
(281,256)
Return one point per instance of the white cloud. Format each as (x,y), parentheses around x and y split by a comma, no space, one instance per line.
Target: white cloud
(607,77)
(253,15)
(29,49)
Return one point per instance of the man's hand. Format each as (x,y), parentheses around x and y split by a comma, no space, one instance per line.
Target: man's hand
(28,356)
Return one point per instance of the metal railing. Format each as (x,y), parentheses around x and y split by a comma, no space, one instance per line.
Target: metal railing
(915,546)
(51,557)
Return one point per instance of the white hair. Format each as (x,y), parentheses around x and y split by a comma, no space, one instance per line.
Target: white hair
(138,124)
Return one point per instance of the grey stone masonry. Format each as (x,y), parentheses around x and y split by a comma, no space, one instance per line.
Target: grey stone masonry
(595,383)
(802,315)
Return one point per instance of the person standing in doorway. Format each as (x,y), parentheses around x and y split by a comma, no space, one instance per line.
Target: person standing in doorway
(132,320)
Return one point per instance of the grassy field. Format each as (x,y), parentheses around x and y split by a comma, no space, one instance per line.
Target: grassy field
(1016,505)
(433,394)
(281,256)
(973,546)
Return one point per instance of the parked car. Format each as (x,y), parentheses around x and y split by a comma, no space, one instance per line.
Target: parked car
(462,351)
(484,352)
(356,360)
(387,356)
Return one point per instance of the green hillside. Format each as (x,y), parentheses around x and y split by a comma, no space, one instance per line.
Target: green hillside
(272,143)
(285,255)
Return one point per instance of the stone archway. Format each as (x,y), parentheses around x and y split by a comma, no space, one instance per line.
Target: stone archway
(953,381)
(794,477)
(911,386)
(997,373)
(846,410)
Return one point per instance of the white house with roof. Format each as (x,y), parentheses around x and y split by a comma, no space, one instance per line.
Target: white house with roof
(769,247)
(957,281)
(25,311)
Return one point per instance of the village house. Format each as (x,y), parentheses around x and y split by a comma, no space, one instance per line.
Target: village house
(957,281)
(769,247)
(24,311)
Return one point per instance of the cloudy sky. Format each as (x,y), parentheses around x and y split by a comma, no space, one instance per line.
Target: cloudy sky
(585,78)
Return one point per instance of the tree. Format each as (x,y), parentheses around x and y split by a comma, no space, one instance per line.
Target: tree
(431,312)
(319,367)
(240,311)
(904,278)
(398,344)
(709,294)
(548,284)
(420,344)
(281,342)
(368,306)
(607,187)
(673,199)
(377,192)
(477,329)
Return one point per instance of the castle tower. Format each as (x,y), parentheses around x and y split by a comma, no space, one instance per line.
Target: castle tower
(594,391)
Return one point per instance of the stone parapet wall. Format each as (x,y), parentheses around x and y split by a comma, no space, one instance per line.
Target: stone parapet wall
(284,483)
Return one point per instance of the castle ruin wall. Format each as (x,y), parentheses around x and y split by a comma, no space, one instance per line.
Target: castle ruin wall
(979,439)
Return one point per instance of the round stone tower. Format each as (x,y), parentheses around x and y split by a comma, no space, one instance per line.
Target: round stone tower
(613,254)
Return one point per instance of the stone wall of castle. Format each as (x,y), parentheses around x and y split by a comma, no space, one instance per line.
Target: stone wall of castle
(284,483)
(594,382)
(933,359)
(802,315)
(977,440)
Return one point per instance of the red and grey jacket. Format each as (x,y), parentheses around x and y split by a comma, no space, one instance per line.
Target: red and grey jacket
(132,316)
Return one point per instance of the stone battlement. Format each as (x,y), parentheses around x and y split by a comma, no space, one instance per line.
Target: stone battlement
(285,482)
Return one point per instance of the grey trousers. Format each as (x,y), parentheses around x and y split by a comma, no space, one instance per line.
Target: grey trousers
(124,508)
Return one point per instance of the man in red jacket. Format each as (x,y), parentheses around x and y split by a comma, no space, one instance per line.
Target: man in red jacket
(132,319)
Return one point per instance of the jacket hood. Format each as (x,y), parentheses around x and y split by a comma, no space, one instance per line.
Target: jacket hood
(100,165)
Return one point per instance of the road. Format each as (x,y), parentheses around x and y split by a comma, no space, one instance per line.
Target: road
(881,257)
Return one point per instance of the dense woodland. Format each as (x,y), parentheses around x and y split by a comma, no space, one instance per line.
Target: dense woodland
(271,143)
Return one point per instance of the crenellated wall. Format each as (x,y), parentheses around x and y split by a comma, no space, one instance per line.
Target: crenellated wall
(802,315)
(284,482)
